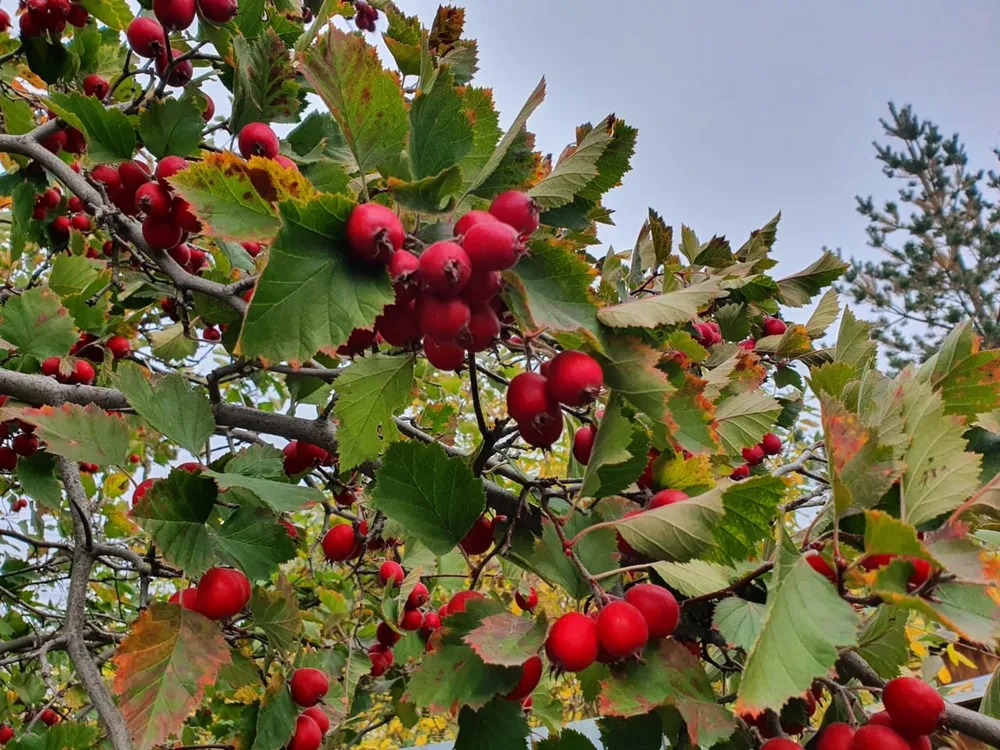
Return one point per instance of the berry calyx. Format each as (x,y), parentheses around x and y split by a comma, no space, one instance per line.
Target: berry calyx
(340,543)
(571,644)
(583,443)
(621,629)
(374,232)
(492,246)
(914,706)
(404,273)
(307,736)
(526,602)
(222,593)
(146,37)
(257,139)
(531,673)
(543,430)
(517,209)
(666,497)
(482,330)
(574,378)
(445,268)
(418,596)
(391,571)
(153,200)
(658,608)
(773,326)
(771,444)
(309,686)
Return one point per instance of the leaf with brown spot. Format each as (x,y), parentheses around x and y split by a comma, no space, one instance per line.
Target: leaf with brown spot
(507,639)
(81,433)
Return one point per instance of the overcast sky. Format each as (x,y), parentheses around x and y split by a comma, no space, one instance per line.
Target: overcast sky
(744,108)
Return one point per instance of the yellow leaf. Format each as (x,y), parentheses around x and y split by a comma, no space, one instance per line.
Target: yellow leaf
(957,658)
(115,484)
(943,675)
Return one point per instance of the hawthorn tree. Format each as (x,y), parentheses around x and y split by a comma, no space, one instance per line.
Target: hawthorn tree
(349,427)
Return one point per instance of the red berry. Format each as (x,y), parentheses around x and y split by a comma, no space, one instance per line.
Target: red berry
(483,328)
(517,209)
(211,334)
(50,366)
(418,596)
(740,472)
(316,714)
(78,15)
(146,37)
(341,543)
(529,602)
(482,287)
(921,568)
(657,606)
(95,85)
(583,443)
(107,175)
(458,602)
(572,642)
(574,378)
(181,72)
(257,139)
(181,254)
(290,529)
(4,25)
(470,219)
(153,200)
(385,635)
(404,273)
(80,222)
(391,570)
(75,205)
(748,345)
(381,660)
(28,26)
(25,444)
(358,342)
(209,112)
(187,598)
(915,707)
(307,736)
(836,736)
(6,733)
(432,621)
(141,490)
(222,593)
(133,175)
(875,737)
(8,459)
(528,396)
(167,167)
(666,497)
(218,11)
(622,629)
(492,246)
(479,538)
(441,319)
(753,455)
(374,231)
(175,15)
(285,162)
(773,326)
(345,498)
(161,233)
(531,673)
(412,620)
(308,686)
(821,566)
(543,430)
(781,743)
(444,355)
(444,268)
(398,324)
(57,141)
(119,347)
(771,444)
(921,743)
(83,373)
(49,717)
(60,227)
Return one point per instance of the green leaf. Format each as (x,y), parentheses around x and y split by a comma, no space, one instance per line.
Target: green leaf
(739,621)
(630,368)
(163,666)
(170,406)
(71,274)
(253,540)
(675,533)
(115,13)
(832,378)
(611,167)
(516,171)
(452,672)
(574,172)
(715,254)
(276,718)
(262,461)
(23,228)
(805,624)
(403,37)
(940,475)
(174,512)
(990,705)
(964,608)
(499,725)
(327,177)
(854,343)
(970,388)
(276,612)
(37,477)
(550,288)
(827,310)
(36,325)
(81,433)
(264,84)
(311,295)
(745,418)
(689,243)
(171,344)
(110,135)
(50,61)
(513,134)
(797,289)
(319,135)
(369,393)
(507,639)
(643,732)
(171,127)
(695,578)
(364,98)
(477,105)
(279,496)
(619,454)
(669,308)
(883,642)
(440,132)
(436,498)
(17,115)
(888,535)
(693,417)
(431,195)
(751,507)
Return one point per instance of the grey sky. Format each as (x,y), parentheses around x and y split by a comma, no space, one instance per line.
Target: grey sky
(744,108)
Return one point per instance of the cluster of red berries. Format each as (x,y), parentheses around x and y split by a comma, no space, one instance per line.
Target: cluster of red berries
(220,593)
(571,378)
(448,295)
(769,445)
(23,443)
(71,216)
(920,574)
(43,16)
(709,333)
(301,456)
(414,618)
(617,630)
(308,687)
(365,16)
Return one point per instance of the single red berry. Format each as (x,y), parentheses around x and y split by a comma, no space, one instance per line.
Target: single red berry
(167,167)
(182,214)
(285,162)
(492,246)
(771,444)
(83,372)
(658,607)
(28,26)
(470,219)
(209,112)
(181,254)
(50,366)
(4,25)
(175,15)
(773,326)
(75,205)
(583,443)
(133,175)
(218,11)
(418,596)
(622,629)
(222,593)
(308,686)
(432,621)
(836,736)
(141,490)
(8,459)
(398,324)
(574,378)
(412,620)
(441,319)
(915,707)
(119,347)
(340,543)
(108,175)
(483,328)
(80,222)
(404,274)
(482,287)
(57,141)
(572,642)
(358,342)
(60,227)
(374,232)
(528,397)
(385,635)
(821,566)
(529,602)
(753,455)
(307,736)
(391,570)
(748,345)
(57,10)
(517,209)
(95,85)
(740,472)
(290,529)
(6,733)
(460,600)
(153,200)
(531,673)
(444,268)
(187,598)
(316,714)
(161,233)
(181,71)
(666,497)
(479,538)
(543,430)
(876,737)
(211,333)
(444,355)
(257,139)
(146,37)
(25,444)
(49,717)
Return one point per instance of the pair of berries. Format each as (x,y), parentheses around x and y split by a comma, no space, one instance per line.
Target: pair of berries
(301,456)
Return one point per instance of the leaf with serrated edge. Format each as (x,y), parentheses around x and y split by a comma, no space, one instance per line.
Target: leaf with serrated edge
(669,308)
(739,621)
(751,506)
(499,725)
(677,532)
(827,310)
(696,577)
(36,324)
(174,512)
(576,171)
(110,135)
(440,133)
(171,127)
(883,642)
(886,534)
(990,705)
(264,82)
(276,717)
(854,344)
(172,406)
(163,667)
(615,450)
(276,612)
(745,418)
(253,540)
(280,496)
(81,433)
(797,289)
(507,639)
(452,673)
